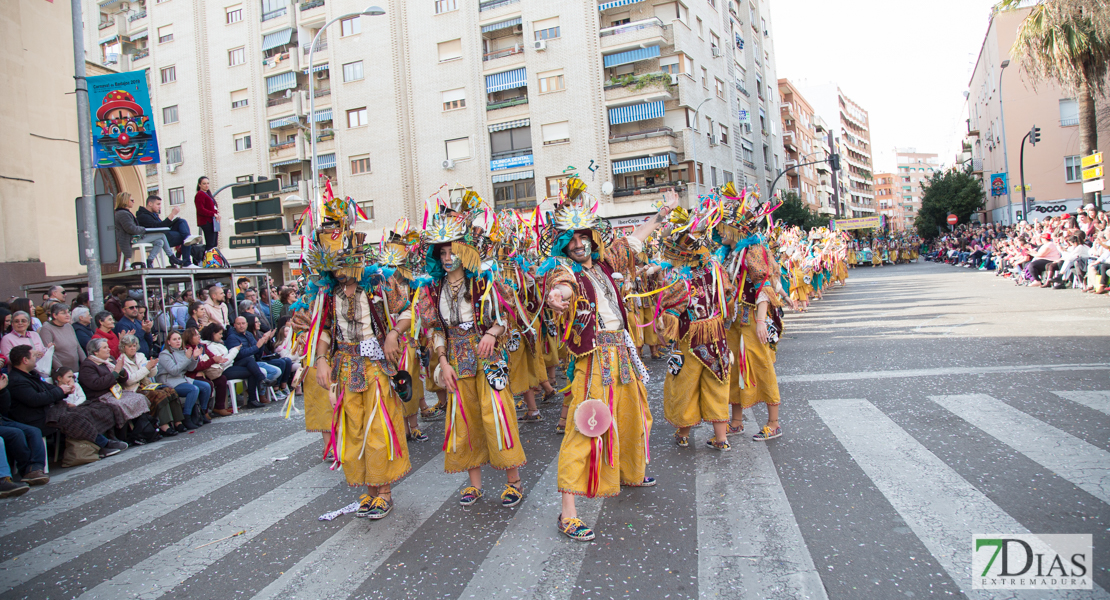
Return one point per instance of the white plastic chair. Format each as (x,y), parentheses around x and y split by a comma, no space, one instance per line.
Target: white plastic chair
(234,393)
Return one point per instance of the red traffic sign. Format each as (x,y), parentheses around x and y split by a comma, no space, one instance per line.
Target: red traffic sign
(953,219)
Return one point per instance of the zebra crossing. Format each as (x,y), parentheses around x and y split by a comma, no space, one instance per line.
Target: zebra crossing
(754,522)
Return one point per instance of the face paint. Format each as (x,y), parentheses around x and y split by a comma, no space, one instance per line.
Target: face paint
(451,264)
(586,246)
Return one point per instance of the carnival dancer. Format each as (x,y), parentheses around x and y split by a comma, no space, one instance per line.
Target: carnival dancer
(461,308)
(608,444)
(760,328)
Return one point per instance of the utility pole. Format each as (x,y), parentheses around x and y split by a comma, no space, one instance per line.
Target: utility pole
(835,177)
(90,236)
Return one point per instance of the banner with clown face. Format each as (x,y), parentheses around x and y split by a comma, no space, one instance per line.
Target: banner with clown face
(122,123)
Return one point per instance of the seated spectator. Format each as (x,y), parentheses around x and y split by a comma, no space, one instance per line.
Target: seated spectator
(114,302)
(21,335)
(135,325)
(173,363)
(103,378)
(22,445)
(82,299)
(242,284)
(209,368)
(165,404)
(283,341)
(252,343)
(25,305)
(178,235)
(42,405)
(82,326)
(246,357)
(53,296)
(180,309)
(9,488)
(105,324)
(196,309)
(247,369)
(59,333)
(286,297)
(5,324)
(127,228)
(248,307)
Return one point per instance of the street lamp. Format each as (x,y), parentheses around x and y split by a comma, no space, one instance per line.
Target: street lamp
(694,150)
(372,11)
(1005,150)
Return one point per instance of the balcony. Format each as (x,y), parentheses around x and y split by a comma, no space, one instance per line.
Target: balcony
(307,6)
(1069,122)
(651,141)
(106,24)
(276,107)
(629,86)
(273,14)
(321,92)
(295,195)
(646,31)
(495,4)
(637,193)
(519,100)
(504,53)
(287,150)
(135,17)
(740,88)
(321,45)
(749,164)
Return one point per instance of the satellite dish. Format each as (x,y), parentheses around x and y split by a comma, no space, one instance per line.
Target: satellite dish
(607,188)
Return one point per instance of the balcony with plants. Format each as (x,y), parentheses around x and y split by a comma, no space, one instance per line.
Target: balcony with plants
(620,87)
(503,46)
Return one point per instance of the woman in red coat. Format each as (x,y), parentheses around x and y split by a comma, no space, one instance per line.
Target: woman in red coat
(208,214)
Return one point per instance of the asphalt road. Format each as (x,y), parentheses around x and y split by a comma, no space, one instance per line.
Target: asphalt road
(921,404)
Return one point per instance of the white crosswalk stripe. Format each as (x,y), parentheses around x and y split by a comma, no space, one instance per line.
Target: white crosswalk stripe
(1062,453)
(25,567)
(1099,401)
(939,505)
(132,453)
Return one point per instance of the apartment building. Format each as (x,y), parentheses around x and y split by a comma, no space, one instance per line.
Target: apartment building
(887,193)
(1053,175)
(851,129)
(914,169)
(801,145)
(505,97)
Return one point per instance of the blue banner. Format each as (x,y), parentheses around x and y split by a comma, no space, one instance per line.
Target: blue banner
(998,184)
(122,123)
(509,163)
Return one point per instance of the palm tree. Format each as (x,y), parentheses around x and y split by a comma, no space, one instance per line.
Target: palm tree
(1068,41)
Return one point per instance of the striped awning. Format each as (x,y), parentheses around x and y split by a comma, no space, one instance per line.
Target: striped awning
(277,38)
(631,56)
(507,80)
(509,125)
(286,162)
(500,25)
(514,176)
(138,36)
(317,68)
(636,112)
(110,38)
(283,122)
(109,3)
(616,4)
(324,114)
(641,164)
(326,161)
(285,81)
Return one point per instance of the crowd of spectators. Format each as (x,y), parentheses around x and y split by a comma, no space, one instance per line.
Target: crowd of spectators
(137,371)
(1070,251)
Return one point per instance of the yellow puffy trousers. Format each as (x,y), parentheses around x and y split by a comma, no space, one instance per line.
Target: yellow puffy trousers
(471,429)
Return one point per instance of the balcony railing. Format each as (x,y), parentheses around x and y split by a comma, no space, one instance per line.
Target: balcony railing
(278,101)
(495,4)
(659,188)
(311,5)
(646,133)
(136,16)
(321,45)
(507,103)
(749,164)
(741,89)
(325,136)
(106,24)
(316,93)
(283,145)
(502,53)
(291,187)
(273,14)
(1070,122)
(634,26)
(140,54)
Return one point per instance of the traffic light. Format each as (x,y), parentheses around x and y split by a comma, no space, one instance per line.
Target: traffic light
(834,162)
(1034,135)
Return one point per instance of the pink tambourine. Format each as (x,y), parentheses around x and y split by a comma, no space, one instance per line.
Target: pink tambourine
(593,418)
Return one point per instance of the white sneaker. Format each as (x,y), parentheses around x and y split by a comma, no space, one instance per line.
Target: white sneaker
(193,240)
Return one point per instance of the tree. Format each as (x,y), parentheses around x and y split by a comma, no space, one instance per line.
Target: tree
(952,191)
(795,212)
(1068,41)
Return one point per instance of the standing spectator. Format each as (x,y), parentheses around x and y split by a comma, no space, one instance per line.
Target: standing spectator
(105,324)
(179,235)
(131,323)
(25,305)
(21,335)
(215,311)
(208,214)
(56,294)
(82,299)
(22,444)
(173,363)
(127,228)
(287,297)
(68,351)
(82,326)
(114,303)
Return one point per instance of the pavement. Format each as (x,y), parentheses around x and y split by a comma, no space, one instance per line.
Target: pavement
(921,404)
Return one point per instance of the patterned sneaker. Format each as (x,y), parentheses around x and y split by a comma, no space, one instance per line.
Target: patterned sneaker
(549,397)
(521,406)
(734,430)
(767,434)
(364,503)
(433,414)
(647,482)
(512,495)
(470,495)
(561,427)
(376,508)
(718,445)
(416,436)
(575,529)
(683,441)
(530,417)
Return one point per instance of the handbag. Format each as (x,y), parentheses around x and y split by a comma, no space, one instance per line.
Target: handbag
(79,452)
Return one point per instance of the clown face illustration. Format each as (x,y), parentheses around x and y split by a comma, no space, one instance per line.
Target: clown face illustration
(124,132)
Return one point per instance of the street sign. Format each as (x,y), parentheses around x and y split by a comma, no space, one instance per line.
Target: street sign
(246,241)
(258,188)
(271,224)
(1092,160)
(1092,173)
(953,219)
(274,239)
(1097,185)
(263,207)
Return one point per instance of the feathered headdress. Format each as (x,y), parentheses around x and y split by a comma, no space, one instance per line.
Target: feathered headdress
(576,211)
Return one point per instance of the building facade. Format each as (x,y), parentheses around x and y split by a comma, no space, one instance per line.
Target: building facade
(1053,176)
(887,203)
(505,97)
(851,131)
(801,145)
(914,169)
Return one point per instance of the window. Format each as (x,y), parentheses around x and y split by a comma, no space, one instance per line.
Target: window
(554,184)
(165,34)
(443,6)
(242,142)
(547,29)
(701,30)
(352,71)
(705,78)
(1069,112)
(670,65)
(450,50)
(514,192)
(360,165)
(169,74)
(1073,172)
(356,117)
(458,149)
(720,89)
(352,26)
(236,56)
(724,134)
(510,140)
(367,207)
(728,177)
(687,65)
(682,13)
(244,179)
(239,98)
(173,155)
(551,81)
(454,99)
(714,41)
(177,196)
(234,14)
(555,133)
(169,114)
(713,176)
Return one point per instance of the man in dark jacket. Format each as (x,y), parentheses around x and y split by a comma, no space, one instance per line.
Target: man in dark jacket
(250,347)
(130,322)
(22,443)
(179,235)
